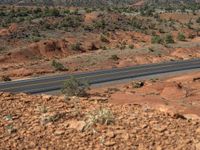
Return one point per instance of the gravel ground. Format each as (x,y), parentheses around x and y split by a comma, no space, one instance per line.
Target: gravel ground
(52,122)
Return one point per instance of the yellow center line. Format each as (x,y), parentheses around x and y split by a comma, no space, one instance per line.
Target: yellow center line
(111,73)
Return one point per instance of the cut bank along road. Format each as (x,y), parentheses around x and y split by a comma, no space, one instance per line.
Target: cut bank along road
(52,83)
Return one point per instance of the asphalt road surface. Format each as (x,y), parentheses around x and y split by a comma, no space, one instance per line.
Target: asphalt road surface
(53,83)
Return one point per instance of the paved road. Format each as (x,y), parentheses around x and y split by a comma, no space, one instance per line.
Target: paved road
(52,83)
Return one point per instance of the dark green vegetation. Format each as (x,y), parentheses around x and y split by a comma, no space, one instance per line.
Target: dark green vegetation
(5,78)
(58,66)
(38,23)
(36,19)
(74,87)
(94,3)
(181,37)
(156,39)
(169,39)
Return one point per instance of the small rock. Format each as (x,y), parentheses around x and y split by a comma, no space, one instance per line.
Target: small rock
(59,132)
(158,148)
(110,134)
(109,143)
(191,116)
(46,97)
(141,147)
(198,130)
(1,93)
(198,146)
(78,125)
(144,126)
(137,84)
(6,94)
(98,98)
(160,128)
(125,136)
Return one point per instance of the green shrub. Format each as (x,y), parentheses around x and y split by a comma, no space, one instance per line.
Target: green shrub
(76,46)
(104,39)
(101,116)
(169,39)
(198,20)
(114,57)
(5,78)
(73,87)
(156,39)
(137,84)
(52,12)
(131,46)
(181,37)
(58,66)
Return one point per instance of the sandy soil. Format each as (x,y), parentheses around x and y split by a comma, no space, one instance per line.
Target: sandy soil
(19,64)
(177,94)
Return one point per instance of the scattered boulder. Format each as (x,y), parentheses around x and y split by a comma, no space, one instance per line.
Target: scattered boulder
(77,125)
(137,84)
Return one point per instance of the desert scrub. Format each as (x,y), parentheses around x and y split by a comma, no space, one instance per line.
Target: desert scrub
(46,118)
(198,20)
(103,38)
(101,116)
(5,78)
(76,46)
(11,129)
(156,39)
(137,84)
(74,87)
(58,66)
(181,37)
(131,46)
(114,57)
(169,39)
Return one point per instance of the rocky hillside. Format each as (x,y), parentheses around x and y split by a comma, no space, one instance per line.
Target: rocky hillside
(51,122)
(68,2)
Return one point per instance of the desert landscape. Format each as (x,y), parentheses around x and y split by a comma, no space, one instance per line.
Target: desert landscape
(161,114)
(36,41)
(44,38)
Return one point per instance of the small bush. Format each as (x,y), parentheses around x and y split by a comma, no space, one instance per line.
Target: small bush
(198,20)
(52,12)
(101,116)
(58,66)
(181,37)
(156,39)
(76,47)
(131,46)
(114,57)
(137,84)
(73,87)
(104,39)
(5,78)
(169,39)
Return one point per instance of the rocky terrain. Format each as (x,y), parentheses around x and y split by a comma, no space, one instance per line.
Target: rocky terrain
(128,116)
(175,94)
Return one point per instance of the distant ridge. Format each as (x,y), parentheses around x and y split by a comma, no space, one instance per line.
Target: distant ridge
(86,3)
